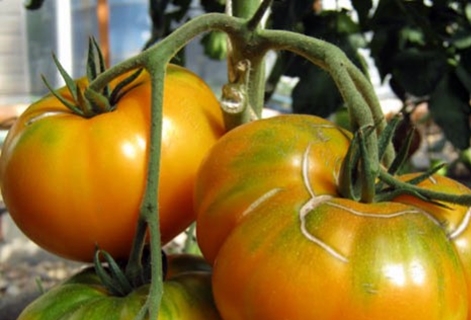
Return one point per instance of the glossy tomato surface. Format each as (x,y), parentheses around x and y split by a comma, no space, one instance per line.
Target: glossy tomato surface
(71,183)
(187,296)
(302,257)
(253,162)
(454,218)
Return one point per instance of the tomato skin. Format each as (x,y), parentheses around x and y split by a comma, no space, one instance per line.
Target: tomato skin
(72,183)
(398,264)
(187,296)
(260,156)
(454,218)
(184,262)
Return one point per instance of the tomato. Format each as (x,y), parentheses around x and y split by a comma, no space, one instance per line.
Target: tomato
(71,183)
(454,218)
(303,257)
(187,296)
(184,262)
(253,162)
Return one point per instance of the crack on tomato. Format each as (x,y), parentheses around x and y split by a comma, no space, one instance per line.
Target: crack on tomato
(264,197)
(303,212)
(310,205)
(377,215)
(464,224)
(305,171)
(42,116)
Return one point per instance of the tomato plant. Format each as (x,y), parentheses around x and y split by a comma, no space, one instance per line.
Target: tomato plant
(271,220)
(188,296)
(253,162)
(72,182)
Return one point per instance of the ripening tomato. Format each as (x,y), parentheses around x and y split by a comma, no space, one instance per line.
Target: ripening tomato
(187,296)
(71,183)
(303,257)
(454,218)
(254,161)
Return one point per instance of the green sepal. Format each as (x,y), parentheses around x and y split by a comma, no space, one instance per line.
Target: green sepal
(114,278)
(99,102)
(368,176)
(403,187)
(347,186)
(65,102)
(402,155)
(69,82)
(93,70)
(86,106)
(386,136)
(118,92)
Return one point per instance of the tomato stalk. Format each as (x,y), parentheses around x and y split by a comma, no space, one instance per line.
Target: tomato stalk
(243,96)
(249,44)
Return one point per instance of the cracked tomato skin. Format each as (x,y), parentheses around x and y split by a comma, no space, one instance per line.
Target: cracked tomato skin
(455,218)
(303,257)
(263,155)
(72,183)
(187,296)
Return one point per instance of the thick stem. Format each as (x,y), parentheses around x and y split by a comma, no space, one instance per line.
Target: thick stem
(171,44)
(134,268)
(331,59)
(150,207)
(253,79)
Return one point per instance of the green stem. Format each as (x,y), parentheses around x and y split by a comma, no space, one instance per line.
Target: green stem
(171,44)
(365,87)
(254,83)
(150,207)
(331,59)
(403,187)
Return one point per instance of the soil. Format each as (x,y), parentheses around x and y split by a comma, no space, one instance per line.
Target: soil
(26,270)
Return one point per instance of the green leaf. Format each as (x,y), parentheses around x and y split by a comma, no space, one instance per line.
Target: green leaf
(286,14)
(467,11)
(33,4)
(383,47)
(464,76)
(362,7)
(450,109)
(316,94)
(418,72)
(345,24)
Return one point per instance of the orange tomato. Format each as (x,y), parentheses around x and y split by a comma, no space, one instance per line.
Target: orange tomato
(71,183)
(297,257)
(254,161)
(454,218)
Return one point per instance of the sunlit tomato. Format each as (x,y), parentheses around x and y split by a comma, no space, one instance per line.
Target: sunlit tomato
(71,183)
(454,218)
(254,161)
(187,296)
(302,257)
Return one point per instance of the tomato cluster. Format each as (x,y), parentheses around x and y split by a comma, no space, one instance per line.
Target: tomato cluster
(278,239)
(285,245)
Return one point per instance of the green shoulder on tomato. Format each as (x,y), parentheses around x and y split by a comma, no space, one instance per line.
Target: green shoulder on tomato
(71,183)
(187,296)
